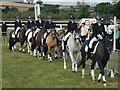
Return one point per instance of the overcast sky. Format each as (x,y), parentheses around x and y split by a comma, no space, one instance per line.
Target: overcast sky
(76,0)
(62,0)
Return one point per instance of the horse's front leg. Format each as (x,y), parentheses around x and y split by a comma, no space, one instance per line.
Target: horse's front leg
(49,54)
(92,70)
(56,52)
(73,61)
(65,64)
(102,74)
(83,68)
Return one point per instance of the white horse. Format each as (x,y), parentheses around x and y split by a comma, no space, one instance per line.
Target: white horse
(73,46)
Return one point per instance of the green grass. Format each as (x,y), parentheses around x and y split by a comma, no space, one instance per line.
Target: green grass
(21,70)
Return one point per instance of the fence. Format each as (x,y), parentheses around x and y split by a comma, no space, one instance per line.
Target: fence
(58,24)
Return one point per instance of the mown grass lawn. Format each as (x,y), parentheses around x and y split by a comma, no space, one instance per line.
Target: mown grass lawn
(21,70)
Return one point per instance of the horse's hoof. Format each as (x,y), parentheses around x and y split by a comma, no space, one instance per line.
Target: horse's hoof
(83,76)
(51,61)
(73,71)
(65,68)
(56,57)
(43,58)
(99,80)
(104,83)
(93,79)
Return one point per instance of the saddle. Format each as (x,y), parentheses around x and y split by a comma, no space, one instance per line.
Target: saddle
(93,49)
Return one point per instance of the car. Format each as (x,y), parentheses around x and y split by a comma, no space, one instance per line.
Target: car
(87,21)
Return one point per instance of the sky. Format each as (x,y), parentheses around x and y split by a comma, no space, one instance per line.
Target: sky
(65,2)
(76,0)
(73,2)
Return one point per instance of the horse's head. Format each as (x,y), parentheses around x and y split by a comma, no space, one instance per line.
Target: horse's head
(53,31)
(76,36)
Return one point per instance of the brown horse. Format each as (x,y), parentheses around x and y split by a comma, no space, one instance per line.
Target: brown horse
(51,42)
(37,43)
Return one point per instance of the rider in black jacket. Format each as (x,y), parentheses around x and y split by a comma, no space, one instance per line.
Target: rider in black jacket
(98,32)
(17,25)
(72,26)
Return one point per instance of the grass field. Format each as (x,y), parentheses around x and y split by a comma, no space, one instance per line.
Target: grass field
(21,70)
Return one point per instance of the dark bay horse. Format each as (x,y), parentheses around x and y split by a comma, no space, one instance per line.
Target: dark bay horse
(101,56)
(21,39)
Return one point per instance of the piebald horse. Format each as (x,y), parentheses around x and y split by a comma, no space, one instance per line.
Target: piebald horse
(13,40)
(37,44)
(101,56)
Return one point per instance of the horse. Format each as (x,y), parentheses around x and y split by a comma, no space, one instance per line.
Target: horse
(51,42)
(73,47)
(101,56)
(13,40)
(37,43)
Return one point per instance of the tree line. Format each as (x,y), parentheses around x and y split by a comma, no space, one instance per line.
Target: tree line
(79,11)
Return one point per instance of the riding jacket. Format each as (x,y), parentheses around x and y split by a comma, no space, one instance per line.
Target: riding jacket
(40,23)
(18,23)
(30,24)
(49,25)
(98,29)
(72,26)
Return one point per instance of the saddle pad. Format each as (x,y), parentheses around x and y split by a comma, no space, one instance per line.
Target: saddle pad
(95,48)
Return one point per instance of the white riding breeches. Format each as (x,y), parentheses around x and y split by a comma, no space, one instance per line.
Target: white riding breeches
(45,34)
(27,32)
(66,36)
(91,41)
(17,29)
(37,30)
(100,36)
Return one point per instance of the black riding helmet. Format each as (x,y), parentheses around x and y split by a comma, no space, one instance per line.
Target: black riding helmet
(72,17)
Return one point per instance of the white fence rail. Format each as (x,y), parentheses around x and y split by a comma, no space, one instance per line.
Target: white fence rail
(59,24)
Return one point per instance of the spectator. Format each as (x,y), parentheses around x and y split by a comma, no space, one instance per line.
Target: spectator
(84,30)
(4,31)
(118,39)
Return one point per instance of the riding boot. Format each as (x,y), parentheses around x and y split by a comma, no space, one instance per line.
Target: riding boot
(15,36)
(65,43)
(25,38)
(44,42)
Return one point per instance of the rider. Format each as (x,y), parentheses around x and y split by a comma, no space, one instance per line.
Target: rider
(98,32)
(17,25)
(39,25)
(49,25)
(72,26)
(30,24)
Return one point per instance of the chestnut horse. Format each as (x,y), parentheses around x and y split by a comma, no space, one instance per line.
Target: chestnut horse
(51,42)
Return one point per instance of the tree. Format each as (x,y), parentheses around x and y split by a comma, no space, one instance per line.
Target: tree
(6,9)
(117,9)
(83,11)
(104,9)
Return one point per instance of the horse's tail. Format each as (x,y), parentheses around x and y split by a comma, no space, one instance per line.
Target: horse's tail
(83,53)
(11,40)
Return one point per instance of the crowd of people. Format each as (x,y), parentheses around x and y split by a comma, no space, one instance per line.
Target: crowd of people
(97,29)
